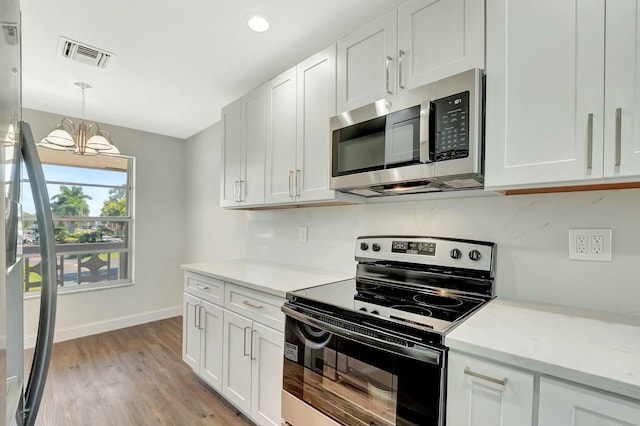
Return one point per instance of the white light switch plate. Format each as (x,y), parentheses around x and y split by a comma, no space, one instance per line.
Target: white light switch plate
(303,234)
(590,244)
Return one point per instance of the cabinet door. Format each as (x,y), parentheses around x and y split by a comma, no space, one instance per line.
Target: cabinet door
(191,332)
(476,398)
(211,345)
(236,360)
(231,153)
(438,38)
(253,147)
(545,86)
(366,63)
(622,96)
(281,138)
(563,404)
(316,81)
(267,356)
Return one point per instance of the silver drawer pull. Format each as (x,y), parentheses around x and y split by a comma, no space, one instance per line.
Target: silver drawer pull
(618,135)
(246,302)
(386,65)
(469,372)
(202,287)
(244,340)
(590,140)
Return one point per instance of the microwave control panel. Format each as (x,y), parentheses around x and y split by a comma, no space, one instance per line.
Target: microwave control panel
(452,127)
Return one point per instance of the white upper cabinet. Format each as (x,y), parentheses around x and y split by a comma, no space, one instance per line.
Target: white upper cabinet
(438,38)
(423,41)
(622,83)
(281,170)
(243,148)
(253,138)
(316,87)
(300,103)
(561,103)
(366,64)
(231,154)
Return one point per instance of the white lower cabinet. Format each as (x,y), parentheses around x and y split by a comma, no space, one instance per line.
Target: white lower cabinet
(565,404)
(236,360)
(482,393)
(202,338)
(210,356)
(266,374)
(238,348)
(252,365)
(191,334)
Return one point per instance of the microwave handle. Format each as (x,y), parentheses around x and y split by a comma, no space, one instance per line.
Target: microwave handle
(425,142)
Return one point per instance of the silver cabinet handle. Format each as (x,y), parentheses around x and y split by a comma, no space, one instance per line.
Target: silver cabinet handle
(200,326)
(469,372)
(387,62)
(202,287)
(251,351)
(244,335)
(246,302)
(400,55)
(236,191)
(242,196)
(590,140)
(618,135)
(196,313)
(297,183)
(290,183)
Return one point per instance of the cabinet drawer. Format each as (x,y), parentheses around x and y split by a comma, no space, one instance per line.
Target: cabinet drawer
(261,307)
(207,288)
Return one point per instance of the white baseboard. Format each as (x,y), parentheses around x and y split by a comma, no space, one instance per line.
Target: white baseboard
(107,325)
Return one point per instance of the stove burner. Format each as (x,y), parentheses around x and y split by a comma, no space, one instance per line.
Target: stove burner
(431,299)
(414,309)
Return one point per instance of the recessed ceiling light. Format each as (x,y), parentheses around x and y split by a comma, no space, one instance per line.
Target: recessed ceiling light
(258,24)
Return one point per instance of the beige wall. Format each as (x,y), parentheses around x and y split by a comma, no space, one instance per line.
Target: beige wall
(159,242)
(211,232)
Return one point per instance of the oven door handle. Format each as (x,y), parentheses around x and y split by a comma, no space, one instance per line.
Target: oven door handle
(417,352)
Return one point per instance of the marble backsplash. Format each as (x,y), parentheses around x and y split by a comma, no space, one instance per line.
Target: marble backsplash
(531,232)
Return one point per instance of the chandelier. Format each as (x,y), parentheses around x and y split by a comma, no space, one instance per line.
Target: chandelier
(87,138)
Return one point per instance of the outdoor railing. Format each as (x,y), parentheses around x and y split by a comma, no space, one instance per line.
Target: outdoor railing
(78,263)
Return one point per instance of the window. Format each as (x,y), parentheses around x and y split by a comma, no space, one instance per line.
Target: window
(91,206)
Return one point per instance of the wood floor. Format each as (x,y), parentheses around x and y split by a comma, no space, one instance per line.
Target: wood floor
(134,376)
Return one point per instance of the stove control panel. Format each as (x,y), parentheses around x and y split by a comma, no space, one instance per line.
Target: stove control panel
(446,252)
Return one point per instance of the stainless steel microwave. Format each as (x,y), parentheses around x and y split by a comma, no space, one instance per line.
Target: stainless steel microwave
(421,140)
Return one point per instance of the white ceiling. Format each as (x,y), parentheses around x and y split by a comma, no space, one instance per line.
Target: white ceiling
(176,63)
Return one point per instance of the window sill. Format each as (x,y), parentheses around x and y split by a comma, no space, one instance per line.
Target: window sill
(80,289)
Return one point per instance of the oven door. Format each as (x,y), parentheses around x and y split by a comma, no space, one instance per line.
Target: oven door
(359,380)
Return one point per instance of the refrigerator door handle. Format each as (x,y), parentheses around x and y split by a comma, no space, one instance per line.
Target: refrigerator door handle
(49,292)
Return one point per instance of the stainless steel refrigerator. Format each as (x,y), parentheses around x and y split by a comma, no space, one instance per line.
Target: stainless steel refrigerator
(20,402)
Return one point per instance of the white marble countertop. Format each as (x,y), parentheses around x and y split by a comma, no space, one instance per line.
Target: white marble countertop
(269,277)
(592,348)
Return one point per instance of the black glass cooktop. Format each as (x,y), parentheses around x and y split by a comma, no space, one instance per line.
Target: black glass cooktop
(429,309)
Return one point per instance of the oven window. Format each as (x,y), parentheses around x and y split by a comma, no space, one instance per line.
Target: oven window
(357,384)
(354,391)
(361,154)
(360,147)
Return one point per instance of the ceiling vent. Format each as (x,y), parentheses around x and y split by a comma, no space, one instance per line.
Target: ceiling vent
(83,53)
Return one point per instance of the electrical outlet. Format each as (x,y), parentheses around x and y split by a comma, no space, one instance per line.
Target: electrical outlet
(597,244)
(590,244)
